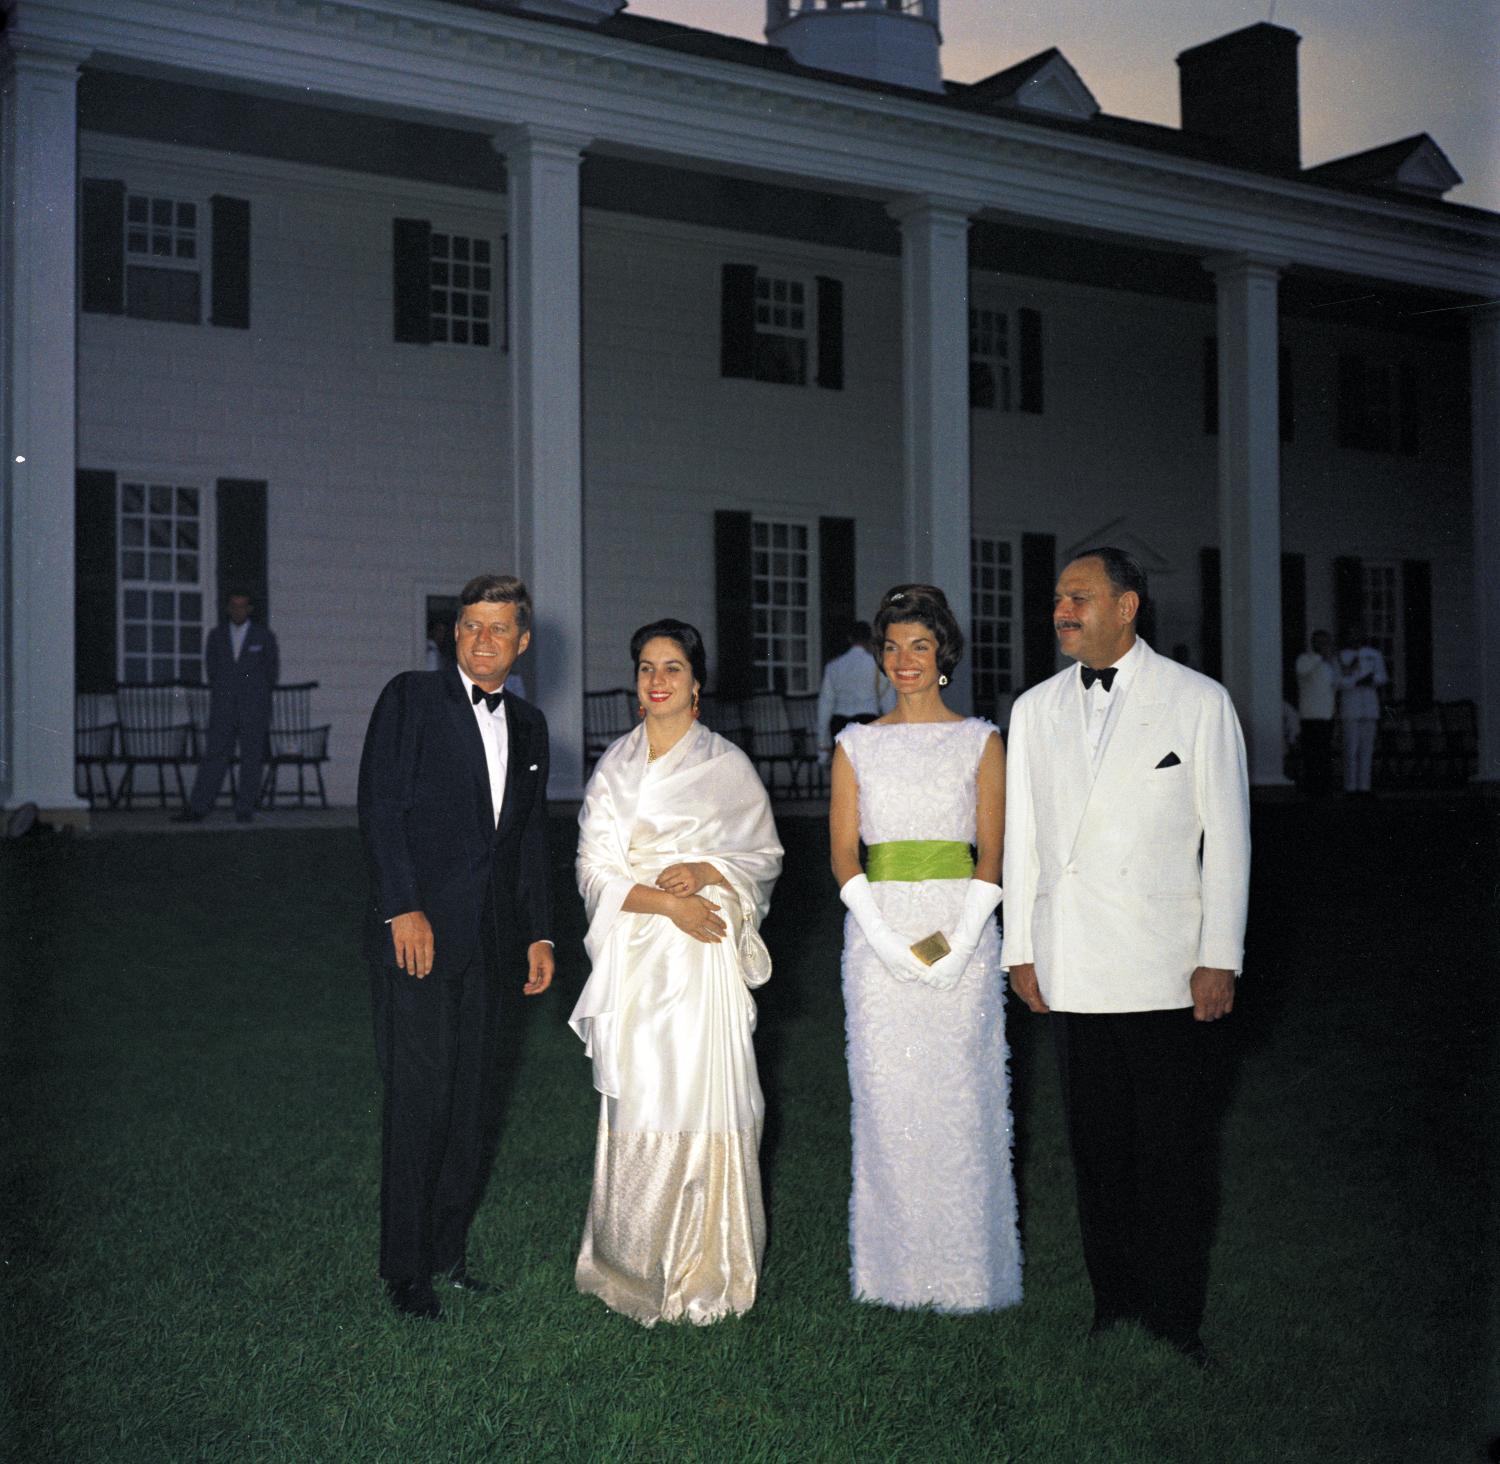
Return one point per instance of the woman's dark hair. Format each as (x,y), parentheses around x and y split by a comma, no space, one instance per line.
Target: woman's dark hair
(924,605)
(685,636)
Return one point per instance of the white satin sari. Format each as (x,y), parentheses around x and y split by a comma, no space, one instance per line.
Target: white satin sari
(675,1228)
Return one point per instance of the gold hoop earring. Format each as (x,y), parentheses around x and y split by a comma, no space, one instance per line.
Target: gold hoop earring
(943,680)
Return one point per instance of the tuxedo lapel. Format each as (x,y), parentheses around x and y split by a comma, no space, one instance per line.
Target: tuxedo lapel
(461,716)
(517,761)
(1070,748)
(1130,744)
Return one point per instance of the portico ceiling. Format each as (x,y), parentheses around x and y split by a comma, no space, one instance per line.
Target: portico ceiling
(480,70)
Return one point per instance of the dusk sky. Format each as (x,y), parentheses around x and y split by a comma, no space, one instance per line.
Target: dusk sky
(1372,71)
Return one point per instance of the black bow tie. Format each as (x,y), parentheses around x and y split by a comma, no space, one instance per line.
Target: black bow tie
(1105,677)
(491,699)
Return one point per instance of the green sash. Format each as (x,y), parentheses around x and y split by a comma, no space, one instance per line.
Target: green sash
(914,859)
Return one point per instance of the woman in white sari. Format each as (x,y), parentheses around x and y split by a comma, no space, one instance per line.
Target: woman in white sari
(677,856)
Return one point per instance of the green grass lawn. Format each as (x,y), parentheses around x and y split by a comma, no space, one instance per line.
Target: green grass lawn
(189,1167)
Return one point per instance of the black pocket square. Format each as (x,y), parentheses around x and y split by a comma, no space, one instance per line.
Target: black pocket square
(1171,760)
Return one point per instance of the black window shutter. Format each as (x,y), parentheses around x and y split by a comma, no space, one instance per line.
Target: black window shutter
(1416,604)
(1038,580)
(1409,404)
(1286,398)
(836,583)
(830,333)
(737,321)
(1210,385)
(1348,596)
(734,674)
(230,222)
(243,558)
(94,581)
(1350,408)
(1293,620)
(1211,613)
(1029,327)
(101,246)
(412,280)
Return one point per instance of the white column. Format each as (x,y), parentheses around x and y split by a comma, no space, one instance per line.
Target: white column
(38,246)
(1484,358)
(1250,504)
(935,403)
(546,358)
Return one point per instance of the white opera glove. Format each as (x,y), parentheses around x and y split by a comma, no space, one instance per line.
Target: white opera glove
(980,900)
(894,952)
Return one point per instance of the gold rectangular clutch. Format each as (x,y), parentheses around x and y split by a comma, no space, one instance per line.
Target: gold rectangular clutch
(930,950)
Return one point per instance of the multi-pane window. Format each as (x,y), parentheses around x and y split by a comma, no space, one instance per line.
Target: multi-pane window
(781,330)
(163,275)
(989,360)
(161,582)
(783,595)
(463,286)
(993,621)
(1382,609)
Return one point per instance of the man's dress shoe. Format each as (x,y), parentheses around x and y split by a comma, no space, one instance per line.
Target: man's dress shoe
(414,1299)
(461,1280)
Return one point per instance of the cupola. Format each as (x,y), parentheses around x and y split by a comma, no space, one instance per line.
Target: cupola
(892,41)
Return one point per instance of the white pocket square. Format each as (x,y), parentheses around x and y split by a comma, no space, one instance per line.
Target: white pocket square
(532,768)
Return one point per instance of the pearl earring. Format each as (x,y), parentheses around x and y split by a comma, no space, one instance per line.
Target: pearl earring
(942,680)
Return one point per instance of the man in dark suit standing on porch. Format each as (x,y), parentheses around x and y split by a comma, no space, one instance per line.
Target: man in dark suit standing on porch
(243,666)
(453,809)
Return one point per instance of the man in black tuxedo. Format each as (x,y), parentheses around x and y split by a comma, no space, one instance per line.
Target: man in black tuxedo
(243,665)
(453,809)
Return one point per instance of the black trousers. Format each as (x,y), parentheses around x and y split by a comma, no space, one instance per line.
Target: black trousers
(437,1041)
(1317,756)
(1143,1093)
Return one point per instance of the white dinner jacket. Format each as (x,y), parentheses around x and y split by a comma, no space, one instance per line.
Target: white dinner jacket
(1120,880)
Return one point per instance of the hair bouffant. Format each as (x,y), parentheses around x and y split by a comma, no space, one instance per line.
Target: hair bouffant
(924,605)
(679,632)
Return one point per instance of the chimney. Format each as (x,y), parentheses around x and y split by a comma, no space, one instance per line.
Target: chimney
(1241,91)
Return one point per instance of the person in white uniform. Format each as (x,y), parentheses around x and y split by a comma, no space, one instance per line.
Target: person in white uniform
(1362,674)
(853,690)
(1127,867)
(932,1213)
(1317,696)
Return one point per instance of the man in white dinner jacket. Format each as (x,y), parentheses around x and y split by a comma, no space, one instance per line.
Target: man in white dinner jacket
(1127,866)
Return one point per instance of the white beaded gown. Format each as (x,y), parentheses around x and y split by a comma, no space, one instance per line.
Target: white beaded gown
(932,1217)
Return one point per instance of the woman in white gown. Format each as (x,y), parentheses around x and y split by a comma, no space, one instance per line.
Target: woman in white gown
(677,856)
(932,1218)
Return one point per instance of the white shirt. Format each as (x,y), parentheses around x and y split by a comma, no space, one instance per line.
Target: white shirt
(1101,708)
(1317,687)
(495,731)
(237,634)
(853,686)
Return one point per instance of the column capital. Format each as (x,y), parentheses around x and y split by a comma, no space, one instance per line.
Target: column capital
(936,206)
(40,56)
(1244,264)
(544,141)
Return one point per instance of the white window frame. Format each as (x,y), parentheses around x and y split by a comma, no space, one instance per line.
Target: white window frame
(173,233)
(778,672)
(991,340)
(442,279)
(191,648)
(1383,614)
(788,329)
(1004,558)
